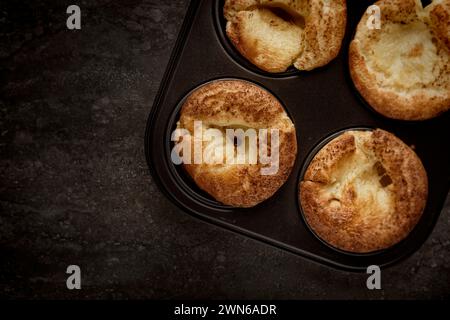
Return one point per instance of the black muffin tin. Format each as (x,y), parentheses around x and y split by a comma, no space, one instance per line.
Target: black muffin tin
(320,102)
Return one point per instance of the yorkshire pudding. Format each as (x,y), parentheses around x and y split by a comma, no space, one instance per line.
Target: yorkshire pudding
(275,34)
(403,69)
(234,104)
(364,191)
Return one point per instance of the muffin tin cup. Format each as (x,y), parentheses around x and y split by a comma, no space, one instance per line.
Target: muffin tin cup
(305,166)
(178,172)
(321,103)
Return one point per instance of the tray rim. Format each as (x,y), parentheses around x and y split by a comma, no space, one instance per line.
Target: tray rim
(224,225)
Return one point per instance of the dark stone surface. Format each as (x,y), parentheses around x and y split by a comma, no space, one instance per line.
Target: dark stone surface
(75,187)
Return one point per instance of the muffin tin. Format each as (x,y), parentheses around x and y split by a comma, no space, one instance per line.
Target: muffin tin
(321,103)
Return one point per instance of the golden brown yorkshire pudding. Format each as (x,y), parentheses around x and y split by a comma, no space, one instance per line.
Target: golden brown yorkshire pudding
(275,34)
(236,104)
(403,69)
(364,191)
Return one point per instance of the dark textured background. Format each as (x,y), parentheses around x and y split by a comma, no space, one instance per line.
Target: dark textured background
(75,187)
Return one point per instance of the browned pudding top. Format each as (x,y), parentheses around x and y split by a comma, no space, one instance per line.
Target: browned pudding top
(403,68)
(275,34)
(235,104)
(364,191)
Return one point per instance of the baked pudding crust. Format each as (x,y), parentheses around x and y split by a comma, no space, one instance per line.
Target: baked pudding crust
(403,69)
(239,104)
(311,39)
(364,191)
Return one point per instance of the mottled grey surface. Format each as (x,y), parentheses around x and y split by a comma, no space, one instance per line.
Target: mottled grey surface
(75,187)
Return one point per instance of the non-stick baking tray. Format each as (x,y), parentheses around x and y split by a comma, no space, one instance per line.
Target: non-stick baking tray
(321,103)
